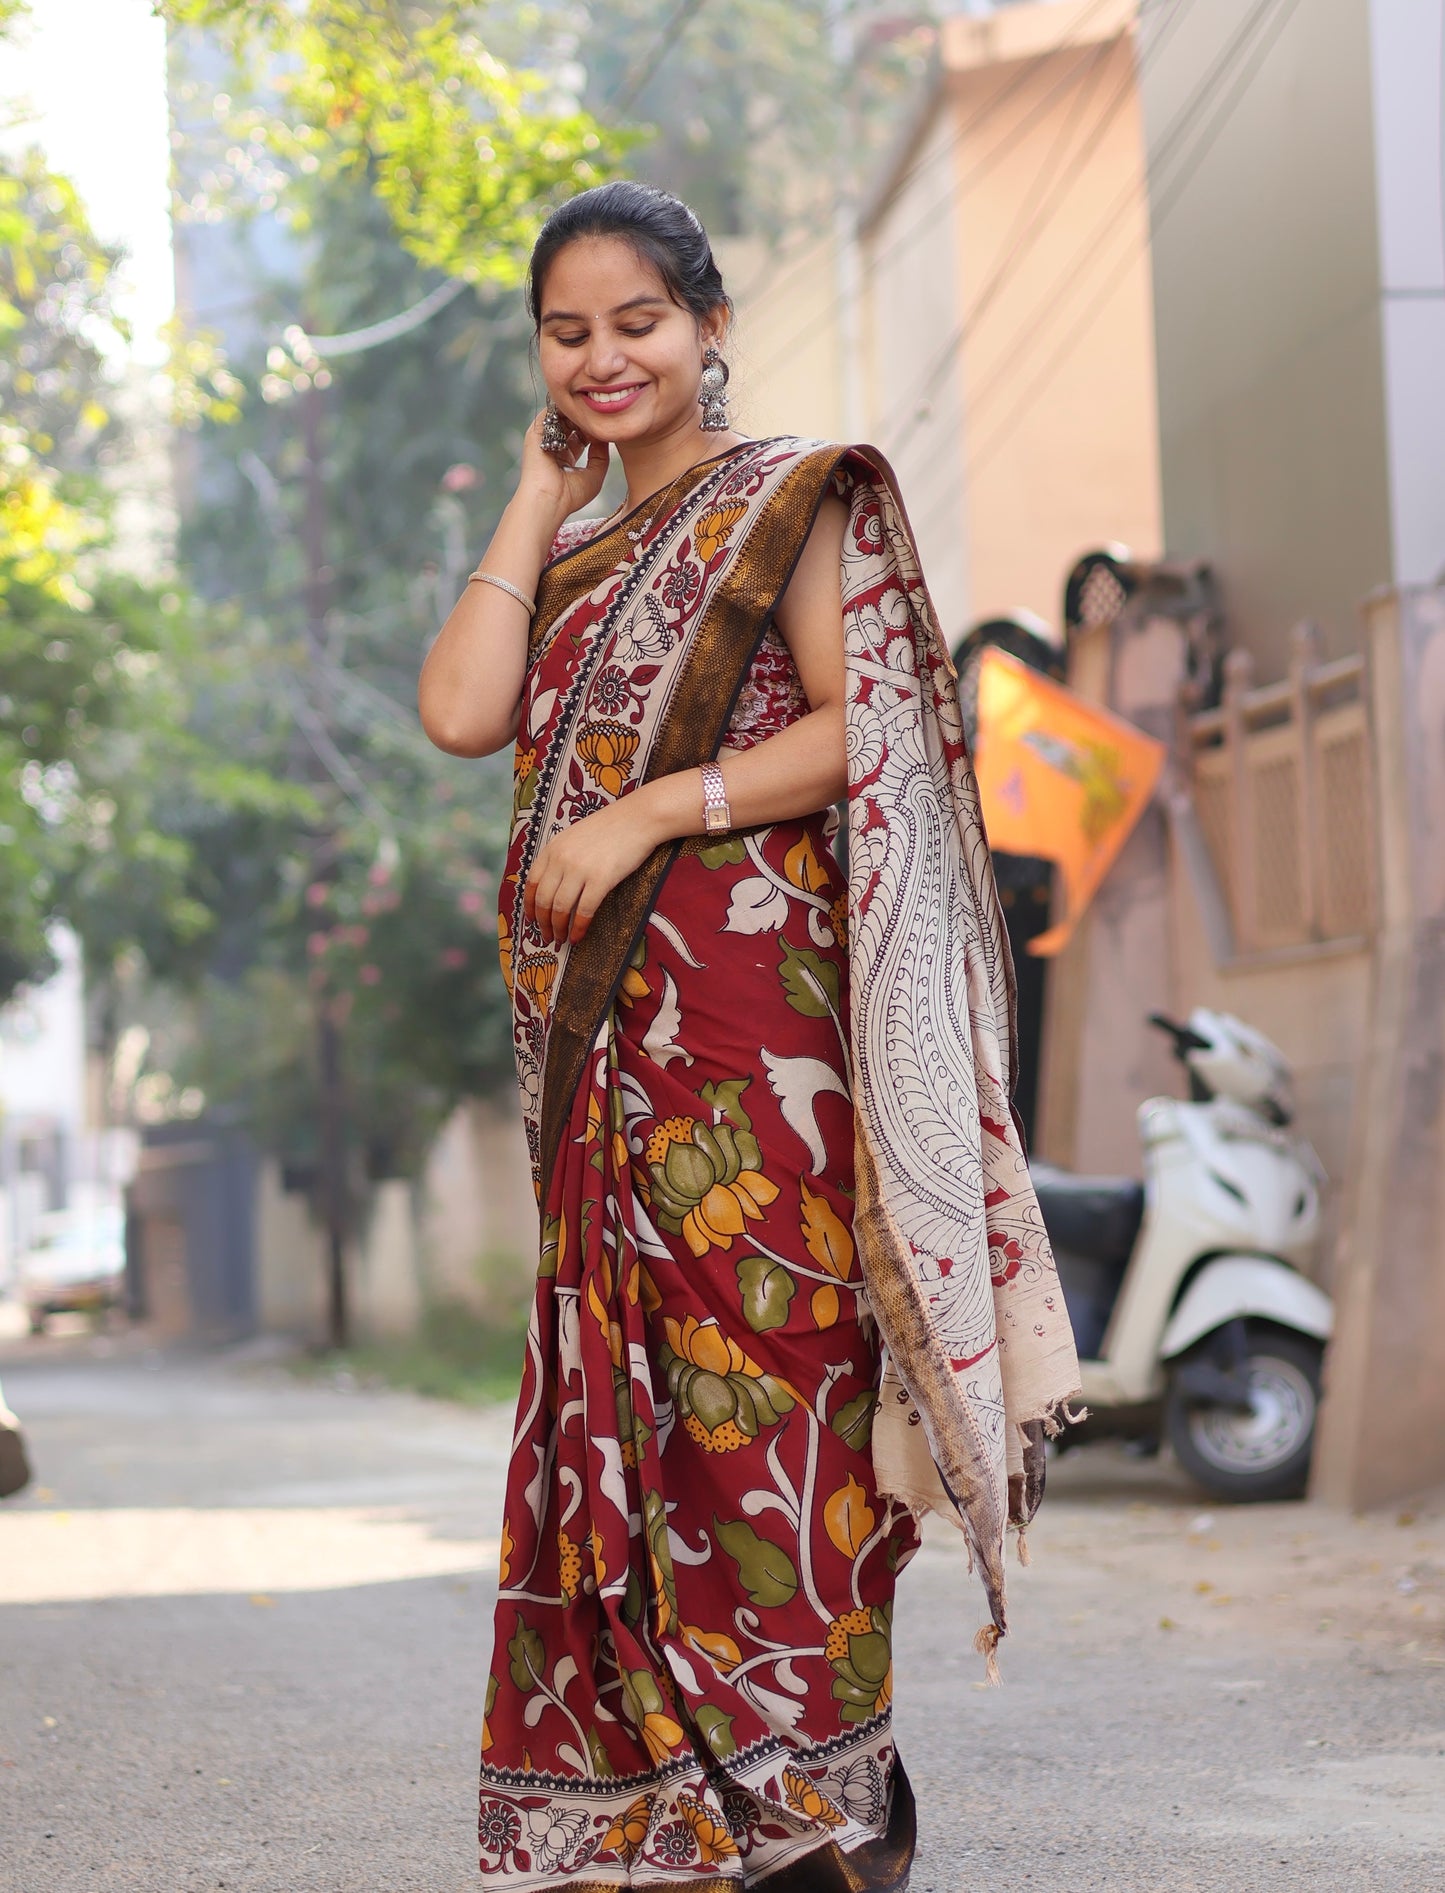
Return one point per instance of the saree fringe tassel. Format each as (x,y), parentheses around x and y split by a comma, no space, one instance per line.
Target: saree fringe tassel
(986,1643)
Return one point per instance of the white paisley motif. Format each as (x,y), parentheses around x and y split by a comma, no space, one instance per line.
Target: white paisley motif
(959,1268)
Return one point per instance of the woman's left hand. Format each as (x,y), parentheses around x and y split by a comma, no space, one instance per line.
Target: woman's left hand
(578,868)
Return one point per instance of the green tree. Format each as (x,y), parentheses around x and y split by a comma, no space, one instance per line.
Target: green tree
(466,153)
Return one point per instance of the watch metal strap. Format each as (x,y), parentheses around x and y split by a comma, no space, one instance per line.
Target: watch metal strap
(717,817)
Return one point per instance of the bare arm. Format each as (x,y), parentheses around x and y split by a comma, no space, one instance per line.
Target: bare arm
(470,691)
(797,772)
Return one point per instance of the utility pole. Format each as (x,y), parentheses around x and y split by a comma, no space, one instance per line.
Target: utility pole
(331,1096)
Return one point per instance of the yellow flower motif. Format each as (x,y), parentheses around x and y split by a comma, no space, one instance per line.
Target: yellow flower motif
(723,1212)
(838,919)
(715,528)
(526,762)
(660,1736)
(634,986)
(859,1648)
(714,1842)
(535,974)
(720,1439)
(703,1344)
(707,1185)
(629,1829)
(672,1130)
(599,1564)
(806,1798)
(569,1565)
(853,1623)
(722,1394)
(607,750)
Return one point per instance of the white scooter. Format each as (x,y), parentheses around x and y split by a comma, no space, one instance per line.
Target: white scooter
(1189,1308)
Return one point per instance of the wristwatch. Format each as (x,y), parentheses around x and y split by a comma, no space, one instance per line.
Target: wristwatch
(717,817)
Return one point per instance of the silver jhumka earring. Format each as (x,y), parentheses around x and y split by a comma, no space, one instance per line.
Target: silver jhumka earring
(554,432)
(712,392)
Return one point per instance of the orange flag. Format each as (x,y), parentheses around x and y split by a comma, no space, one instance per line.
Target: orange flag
(1059,778)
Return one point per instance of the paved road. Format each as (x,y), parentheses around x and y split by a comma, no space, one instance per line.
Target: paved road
(243,1628)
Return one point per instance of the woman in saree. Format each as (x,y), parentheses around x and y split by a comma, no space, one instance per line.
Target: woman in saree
(794,1288)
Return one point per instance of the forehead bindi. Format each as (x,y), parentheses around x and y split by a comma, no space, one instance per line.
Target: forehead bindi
(597,279)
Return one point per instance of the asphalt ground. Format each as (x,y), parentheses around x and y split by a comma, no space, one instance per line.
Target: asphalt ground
(244,1631)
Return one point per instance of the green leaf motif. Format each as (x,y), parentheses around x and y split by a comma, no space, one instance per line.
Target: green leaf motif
(528,1654)
(766,1288)
(727,1096)
(716,1730)
(723,854)
(597,1753)
(768,1574)
(526,792)
(812,982)
(853,1422)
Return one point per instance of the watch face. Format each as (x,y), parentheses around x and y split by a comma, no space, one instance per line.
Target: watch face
(716,820)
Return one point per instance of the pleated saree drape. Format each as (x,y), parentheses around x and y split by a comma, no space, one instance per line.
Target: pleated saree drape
(794,1286)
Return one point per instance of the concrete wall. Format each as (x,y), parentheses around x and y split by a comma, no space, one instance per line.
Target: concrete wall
(478,1214)
(784,349)
(467,1232)
(1383,1424)
(1267,313)
(910,312)
(1009,326)
(1058,363)
(1145,944)
(1407,67)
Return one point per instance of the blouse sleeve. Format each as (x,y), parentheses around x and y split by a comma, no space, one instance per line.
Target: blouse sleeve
(571,534)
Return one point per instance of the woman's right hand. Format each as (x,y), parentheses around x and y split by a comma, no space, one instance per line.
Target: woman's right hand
(563,485)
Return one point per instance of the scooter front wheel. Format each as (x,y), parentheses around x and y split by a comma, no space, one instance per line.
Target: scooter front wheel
(1257,1451)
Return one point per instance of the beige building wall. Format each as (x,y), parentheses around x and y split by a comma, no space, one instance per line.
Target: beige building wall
(784,349)
(910,313)
(1008,318)
(1268,323)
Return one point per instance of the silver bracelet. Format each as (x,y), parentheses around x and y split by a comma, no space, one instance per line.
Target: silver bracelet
(505,585)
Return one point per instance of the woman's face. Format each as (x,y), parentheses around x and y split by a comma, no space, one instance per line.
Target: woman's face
(621,360)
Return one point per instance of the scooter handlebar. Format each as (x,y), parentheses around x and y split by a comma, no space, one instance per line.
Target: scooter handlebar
(1185,1038)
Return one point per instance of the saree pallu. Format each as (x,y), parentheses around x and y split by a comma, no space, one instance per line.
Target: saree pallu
(754,1146)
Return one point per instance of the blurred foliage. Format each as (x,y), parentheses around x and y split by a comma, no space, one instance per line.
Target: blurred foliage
(756,110)
(381,908)
(95,667)
(466,153)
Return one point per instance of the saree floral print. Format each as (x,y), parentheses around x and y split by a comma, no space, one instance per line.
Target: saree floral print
(794,1286)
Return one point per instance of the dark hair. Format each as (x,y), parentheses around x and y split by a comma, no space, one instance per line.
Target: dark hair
(659,227)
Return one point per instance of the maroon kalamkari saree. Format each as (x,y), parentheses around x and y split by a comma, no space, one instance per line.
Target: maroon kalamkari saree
(794,1286)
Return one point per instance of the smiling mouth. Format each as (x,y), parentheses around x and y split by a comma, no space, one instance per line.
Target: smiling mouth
(609,399)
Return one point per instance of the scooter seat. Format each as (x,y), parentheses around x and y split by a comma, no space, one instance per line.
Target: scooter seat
(1092,1223)
(1097,1217)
